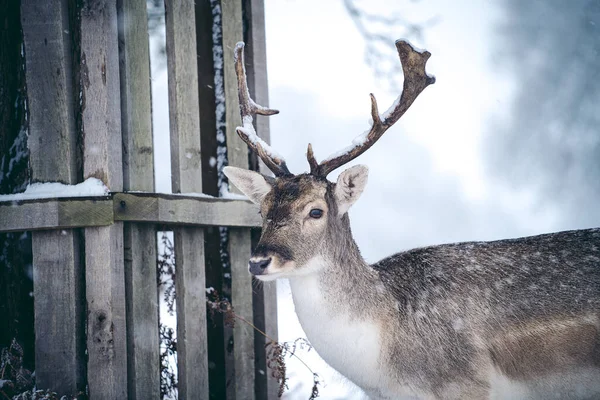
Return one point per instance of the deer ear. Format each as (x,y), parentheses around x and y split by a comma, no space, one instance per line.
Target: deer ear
(349,187)
(251,183)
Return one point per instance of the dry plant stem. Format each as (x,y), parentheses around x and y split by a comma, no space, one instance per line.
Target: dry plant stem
(271,339)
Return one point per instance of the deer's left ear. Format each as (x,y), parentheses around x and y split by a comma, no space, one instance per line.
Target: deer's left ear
(251,183)
(349,186)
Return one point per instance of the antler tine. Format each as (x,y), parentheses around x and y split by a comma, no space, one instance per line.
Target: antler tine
(415,81)
(248,107)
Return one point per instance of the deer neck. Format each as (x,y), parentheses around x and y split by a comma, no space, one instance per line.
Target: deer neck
(337,307)
(342,281)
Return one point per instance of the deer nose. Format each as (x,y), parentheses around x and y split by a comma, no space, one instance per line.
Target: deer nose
(257,267)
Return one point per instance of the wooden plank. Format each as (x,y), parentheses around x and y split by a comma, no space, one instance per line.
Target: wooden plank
(184,115)
(265,295)
(57,271)
(241,291)
(192,362)
(256,68)
(59,322)
(55,214)
(239,240)
(139,240)
(52,133)
(210,140)
(102,158)
(173,209)
(64,213)
(237,151)
(191,314)
(136,101)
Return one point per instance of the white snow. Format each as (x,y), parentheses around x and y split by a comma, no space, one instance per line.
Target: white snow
(233,196)
(16,153)
(387,112)
(415,48)
(358,141)
(248,130)
(217,49)
(193,194)
(223,195)
(91,187)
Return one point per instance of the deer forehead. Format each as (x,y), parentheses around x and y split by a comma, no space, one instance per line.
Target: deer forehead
(293,194)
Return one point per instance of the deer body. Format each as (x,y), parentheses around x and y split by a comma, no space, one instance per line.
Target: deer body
(510,319)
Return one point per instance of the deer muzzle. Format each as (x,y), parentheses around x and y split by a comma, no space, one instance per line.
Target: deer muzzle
(257,266)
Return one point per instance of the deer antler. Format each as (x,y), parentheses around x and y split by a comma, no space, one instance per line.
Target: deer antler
(415,81)
(246,132)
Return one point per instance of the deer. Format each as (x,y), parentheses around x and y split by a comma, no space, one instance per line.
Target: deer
(508,319)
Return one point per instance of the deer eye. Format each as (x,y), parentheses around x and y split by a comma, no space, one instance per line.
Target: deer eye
(315,213)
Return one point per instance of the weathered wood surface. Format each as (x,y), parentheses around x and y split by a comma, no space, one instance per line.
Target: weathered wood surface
(184,115)
(239,240)
(34,215)
(59,319)
(241,292)
(211,141)
(136,101)
(57,270)
(52,136)
(174,209)
(186,172)
(73,212)
(139,240)
(102,158)
(265,295)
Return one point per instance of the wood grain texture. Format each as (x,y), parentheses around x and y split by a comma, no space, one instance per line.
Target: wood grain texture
(102,158)
(237,151)
(105,293)
(143,359)
(64,213)
(33,215)
(256,68)
(49,90)
(265,295)
(191,313)
(57,270)
(139,240)
(174,209)
(136,102)
(186,172)
(184,114)
(239,240)
(59,309)
(241,291)
(210,185)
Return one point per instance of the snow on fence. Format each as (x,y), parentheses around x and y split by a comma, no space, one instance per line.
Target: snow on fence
(94,257)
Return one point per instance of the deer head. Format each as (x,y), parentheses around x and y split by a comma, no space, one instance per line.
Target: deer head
(305,215)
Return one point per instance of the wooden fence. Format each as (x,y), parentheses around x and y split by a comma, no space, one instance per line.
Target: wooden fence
(94,259)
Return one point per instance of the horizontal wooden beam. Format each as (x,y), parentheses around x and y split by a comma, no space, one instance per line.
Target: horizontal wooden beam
(77,212)
(185,210)
(60,213)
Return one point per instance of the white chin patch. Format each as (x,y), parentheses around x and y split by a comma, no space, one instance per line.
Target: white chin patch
(268,277)
(275,271)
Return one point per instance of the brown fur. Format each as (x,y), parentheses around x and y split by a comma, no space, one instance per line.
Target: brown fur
(452,316)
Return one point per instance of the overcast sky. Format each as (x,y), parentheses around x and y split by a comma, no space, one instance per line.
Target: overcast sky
(429,181)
